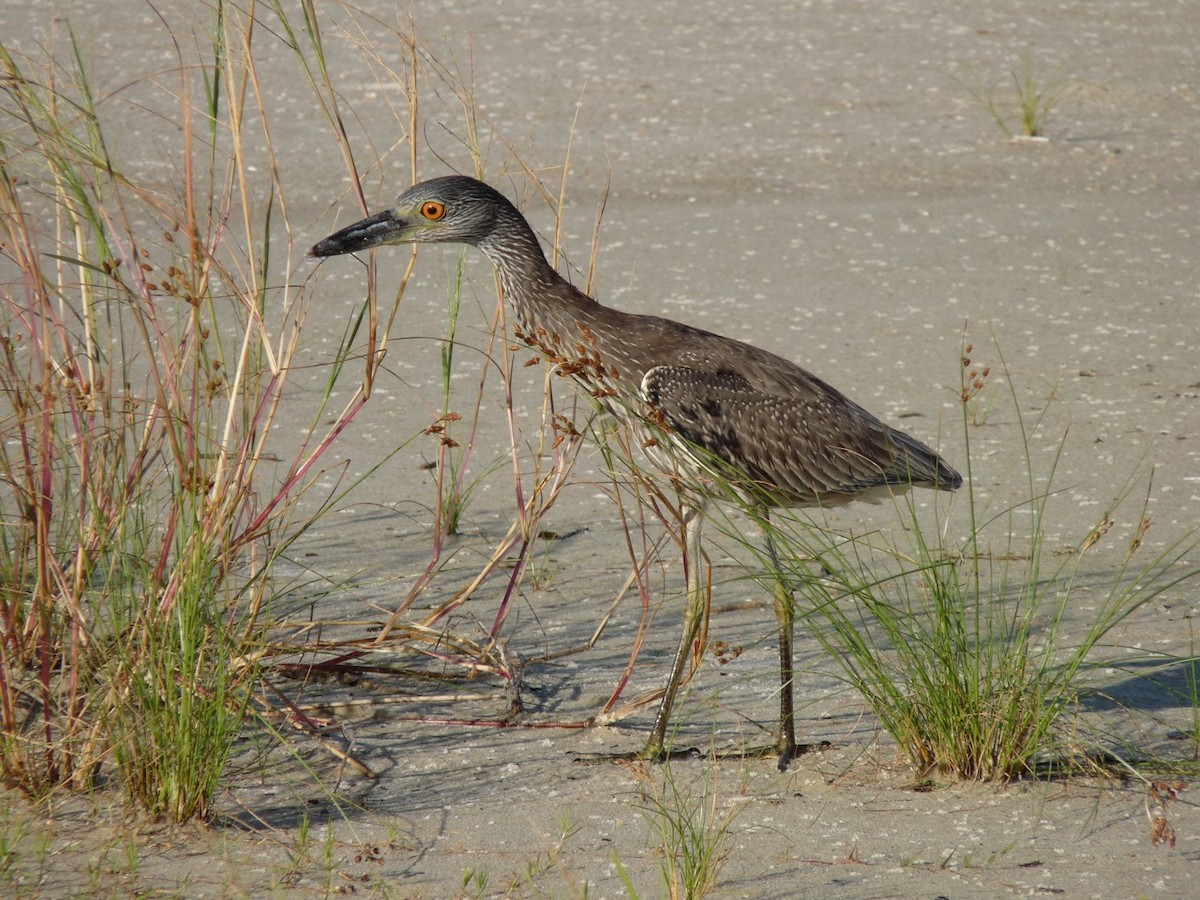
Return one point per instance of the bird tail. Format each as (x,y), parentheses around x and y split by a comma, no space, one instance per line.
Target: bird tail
(917,464)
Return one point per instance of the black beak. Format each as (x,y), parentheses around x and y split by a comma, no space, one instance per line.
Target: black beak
(381,228)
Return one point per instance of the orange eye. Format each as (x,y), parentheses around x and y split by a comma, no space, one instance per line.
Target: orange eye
(432,210)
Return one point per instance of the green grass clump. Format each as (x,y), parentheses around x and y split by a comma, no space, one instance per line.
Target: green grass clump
(691,829)
(1028,110)
(141,380)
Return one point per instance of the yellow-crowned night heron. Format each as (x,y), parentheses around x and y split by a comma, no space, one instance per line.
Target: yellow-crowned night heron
(706,405)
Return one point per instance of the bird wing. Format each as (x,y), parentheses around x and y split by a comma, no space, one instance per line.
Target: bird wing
(803,446)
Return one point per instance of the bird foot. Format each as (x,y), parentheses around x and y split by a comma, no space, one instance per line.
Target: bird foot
(660,755)
(785,754)
(646,754)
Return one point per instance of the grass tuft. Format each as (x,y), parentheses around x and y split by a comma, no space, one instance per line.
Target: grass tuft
(1027,111)
(692,830)
(147,333)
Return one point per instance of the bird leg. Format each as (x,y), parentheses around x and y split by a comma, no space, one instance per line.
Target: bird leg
(697,594)
(785,614)
(692,517)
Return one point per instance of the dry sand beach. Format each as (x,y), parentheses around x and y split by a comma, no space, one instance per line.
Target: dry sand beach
(815,178)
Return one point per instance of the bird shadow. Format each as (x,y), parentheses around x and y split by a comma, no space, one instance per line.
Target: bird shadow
(1150,685)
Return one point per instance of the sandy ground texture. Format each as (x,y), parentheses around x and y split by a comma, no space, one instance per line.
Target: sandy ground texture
(815,178)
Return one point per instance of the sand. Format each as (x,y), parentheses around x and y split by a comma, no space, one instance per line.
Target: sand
(817,179)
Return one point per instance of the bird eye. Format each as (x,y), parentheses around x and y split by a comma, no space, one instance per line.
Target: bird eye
(432,210)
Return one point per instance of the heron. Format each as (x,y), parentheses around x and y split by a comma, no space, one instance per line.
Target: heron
(710,410)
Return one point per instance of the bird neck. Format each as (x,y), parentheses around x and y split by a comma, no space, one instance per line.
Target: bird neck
(525,275)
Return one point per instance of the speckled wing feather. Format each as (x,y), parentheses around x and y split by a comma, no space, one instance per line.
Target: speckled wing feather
(810,445)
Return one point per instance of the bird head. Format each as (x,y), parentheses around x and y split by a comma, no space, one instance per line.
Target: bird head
(453,209)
